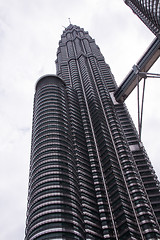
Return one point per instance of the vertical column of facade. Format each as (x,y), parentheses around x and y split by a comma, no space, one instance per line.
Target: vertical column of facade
(145,169)
(90,213)
(85,87)
(131,215)
(105,228)
(123,216)
(89,198)
(54,207)
(134,183)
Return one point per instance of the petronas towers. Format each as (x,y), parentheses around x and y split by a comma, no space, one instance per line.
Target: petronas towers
(90,177)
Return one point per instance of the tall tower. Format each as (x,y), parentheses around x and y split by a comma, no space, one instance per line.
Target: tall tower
(90,177)
(148,11)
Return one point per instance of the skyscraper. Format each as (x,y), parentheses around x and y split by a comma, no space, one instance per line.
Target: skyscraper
(148,11)
(90,177)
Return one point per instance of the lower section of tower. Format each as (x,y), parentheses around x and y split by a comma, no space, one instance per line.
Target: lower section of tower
(89,177)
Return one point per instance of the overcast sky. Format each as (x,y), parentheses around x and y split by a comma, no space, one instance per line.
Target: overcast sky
(29,35)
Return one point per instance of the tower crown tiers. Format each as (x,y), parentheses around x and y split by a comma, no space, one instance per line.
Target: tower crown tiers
(72,27)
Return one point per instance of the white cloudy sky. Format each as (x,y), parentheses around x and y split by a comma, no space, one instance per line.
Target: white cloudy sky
(29,35)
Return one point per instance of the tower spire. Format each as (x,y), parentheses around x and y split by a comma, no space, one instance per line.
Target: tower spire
(69,20)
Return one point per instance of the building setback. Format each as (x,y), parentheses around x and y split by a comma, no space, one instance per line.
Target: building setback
(90,177)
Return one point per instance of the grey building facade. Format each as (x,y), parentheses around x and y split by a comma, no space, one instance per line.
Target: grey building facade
(90,177)
(148,11)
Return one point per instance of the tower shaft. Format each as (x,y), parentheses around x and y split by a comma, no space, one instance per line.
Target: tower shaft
(90,177)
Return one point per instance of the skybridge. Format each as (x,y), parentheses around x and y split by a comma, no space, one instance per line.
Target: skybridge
(137,73)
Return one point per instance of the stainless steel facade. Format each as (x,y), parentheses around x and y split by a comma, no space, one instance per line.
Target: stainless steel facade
(90,177)
(148,11)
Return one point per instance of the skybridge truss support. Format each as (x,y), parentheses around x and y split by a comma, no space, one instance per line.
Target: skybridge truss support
(139,71)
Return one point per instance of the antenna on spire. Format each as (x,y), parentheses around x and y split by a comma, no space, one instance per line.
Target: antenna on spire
(69,20)
(64,27)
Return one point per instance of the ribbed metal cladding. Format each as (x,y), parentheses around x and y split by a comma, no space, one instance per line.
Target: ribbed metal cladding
(127,208)
(148,11)
(90,178)
(54,210)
